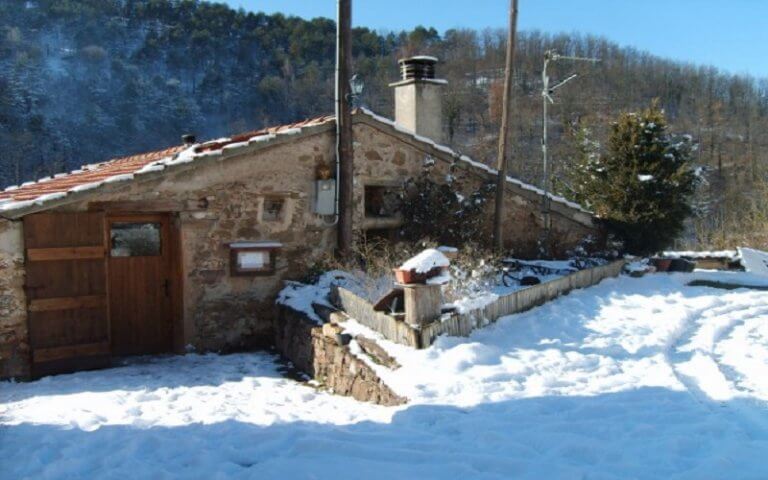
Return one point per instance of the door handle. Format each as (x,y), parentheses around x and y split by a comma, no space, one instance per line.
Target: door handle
(167,286)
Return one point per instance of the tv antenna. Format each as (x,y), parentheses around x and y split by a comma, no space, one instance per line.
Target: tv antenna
(546,96)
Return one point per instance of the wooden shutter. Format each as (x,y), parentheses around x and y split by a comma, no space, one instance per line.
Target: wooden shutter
(66,289)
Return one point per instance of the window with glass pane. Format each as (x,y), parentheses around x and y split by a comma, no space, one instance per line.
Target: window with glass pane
(135,240)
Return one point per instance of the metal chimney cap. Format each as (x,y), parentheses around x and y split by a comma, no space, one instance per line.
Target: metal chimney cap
(420,67)
(419,59)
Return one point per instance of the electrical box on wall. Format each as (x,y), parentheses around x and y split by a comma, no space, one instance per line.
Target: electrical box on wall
(325,201)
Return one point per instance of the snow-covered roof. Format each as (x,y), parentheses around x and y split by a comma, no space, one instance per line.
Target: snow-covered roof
(50,190)
(467,160)
(92,177)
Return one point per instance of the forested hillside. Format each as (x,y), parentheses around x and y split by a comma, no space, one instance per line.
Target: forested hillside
(86,80)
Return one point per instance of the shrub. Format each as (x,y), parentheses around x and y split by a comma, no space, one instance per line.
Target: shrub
(440,213)
(642,187)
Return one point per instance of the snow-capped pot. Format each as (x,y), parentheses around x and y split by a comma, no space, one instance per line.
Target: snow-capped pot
(427,264)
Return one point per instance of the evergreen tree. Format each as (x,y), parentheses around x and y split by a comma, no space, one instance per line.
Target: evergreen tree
(643,185)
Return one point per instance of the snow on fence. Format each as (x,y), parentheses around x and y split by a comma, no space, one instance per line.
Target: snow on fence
(462,324)
(362,311)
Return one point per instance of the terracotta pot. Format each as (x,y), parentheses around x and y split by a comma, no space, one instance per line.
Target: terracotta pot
(411,276)
(406,276)
(661,264)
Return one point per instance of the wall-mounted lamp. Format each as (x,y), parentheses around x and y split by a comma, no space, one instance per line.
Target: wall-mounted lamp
(356,87)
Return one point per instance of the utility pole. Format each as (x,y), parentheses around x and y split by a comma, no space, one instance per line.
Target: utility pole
(344,147)
(498,218)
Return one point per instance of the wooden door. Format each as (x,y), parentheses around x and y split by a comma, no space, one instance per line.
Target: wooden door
(141,284)
(66,291)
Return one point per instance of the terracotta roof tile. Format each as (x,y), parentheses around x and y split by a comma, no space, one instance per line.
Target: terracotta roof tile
(100,172)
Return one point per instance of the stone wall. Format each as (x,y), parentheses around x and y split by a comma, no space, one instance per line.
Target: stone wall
(317,353)
(383,154)
(14,341)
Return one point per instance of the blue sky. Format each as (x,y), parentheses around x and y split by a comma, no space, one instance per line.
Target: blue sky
(729,34)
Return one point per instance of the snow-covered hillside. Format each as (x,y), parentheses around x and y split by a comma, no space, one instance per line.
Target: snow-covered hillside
(634,378)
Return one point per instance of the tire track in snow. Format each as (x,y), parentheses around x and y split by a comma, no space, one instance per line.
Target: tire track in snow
(708,381)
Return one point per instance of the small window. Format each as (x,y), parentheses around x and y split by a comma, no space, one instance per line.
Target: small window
(382,201)
(135,240)
(274,209)
(253,258)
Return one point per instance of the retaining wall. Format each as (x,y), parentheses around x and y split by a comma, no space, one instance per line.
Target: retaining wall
(317,353)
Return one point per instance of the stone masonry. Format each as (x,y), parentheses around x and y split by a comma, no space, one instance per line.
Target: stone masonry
(225,197)
(14,346)
(314,350)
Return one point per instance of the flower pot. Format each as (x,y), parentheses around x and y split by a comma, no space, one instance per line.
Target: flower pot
(406,277)
(661,264)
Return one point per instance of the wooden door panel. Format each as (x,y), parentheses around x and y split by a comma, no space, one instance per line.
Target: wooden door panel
(66,285)
(60,328)
(140,293)
(54,230)
(66,278)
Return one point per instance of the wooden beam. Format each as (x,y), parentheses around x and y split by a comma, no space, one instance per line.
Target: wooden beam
(501,167)
(67,303)
(64,253)
(71,351)
(147,206)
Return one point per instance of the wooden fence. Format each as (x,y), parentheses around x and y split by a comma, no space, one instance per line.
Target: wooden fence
(462,324)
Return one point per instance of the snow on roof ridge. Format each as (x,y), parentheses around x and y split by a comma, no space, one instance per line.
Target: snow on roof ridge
(474,163)
(186,155)
(189,155)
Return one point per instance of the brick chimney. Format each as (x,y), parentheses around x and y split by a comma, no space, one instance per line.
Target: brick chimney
(418,105)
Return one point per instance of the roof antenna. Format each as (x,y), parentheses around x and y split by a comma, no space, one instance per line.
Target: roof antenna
(546,95)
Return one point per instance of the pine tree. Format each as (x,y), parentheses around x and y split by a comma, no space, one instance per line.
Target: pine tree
(643,185)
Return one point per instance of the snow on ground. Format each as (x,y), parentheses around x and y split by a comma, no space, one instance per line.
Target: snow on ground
(634,378)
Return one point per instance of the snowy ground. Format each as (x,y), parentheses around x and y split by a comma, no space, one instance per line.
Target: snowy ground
(633,378)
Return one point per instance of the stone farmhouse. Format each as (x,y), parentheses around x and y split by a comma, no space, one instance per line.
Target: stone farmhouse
(187,247)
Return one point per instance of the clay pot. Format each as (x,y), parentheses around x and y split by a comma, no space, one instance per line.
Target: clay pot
(405,276)
(411,276)
(661,264)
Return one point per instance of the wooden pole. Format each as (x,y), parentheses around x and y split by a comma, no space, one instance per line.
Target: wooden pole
(498,218)
(345,154)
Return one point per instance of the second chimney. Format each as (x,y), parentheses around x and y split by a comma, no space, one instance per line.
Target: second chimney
(418,103)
